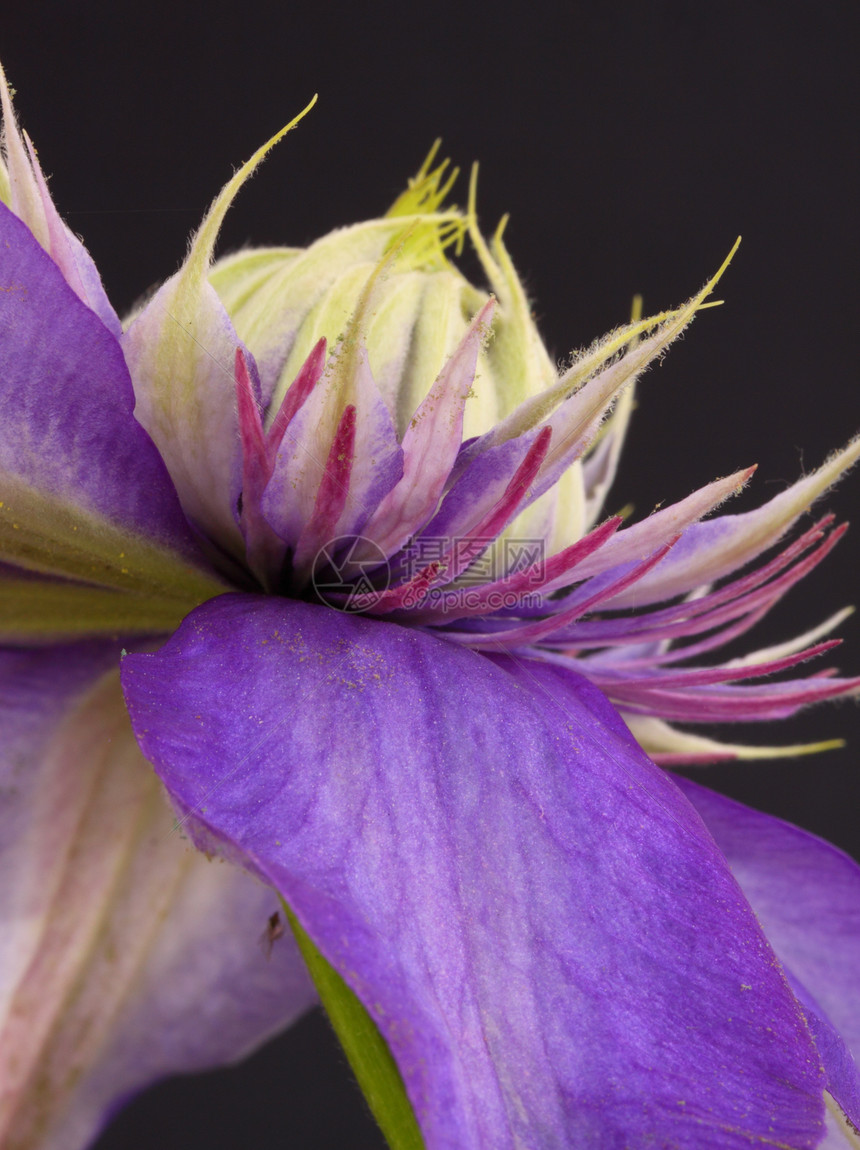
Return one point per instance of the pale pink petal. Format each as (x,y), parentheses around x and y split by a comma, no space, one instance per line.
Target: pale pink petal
(125,955)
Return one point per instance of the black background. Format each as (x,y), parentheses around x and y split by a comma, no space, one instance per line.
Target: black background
(630,145)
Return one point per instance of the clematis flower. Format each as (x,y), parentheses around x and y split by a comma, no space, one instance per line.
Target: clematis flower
(318,535)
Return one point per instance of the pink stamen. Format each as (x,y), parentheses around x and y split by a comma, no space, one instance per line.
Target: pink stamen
(297,393)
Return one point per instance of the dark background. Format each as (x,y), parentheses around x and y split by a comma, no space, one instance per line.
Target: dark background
(630,145)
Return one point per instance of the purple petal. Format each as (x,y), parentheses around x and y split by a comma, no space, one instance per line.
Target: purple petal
(124,955)
(549,940)
(66,403)
(806,895)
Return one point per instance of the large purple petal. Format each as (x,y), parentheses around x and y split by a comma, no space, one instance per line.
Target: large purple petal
(124,955)
(806,895)
(548,938)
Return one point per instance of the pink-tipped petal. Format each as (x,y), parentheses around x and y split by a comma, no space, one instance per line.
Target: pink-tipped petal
(711,550)
(748,598)
(297,393)
(638,540)
(430,445)
(749,592)
(614,679)
(264,551)
(540,577)
(724,703)
(254,455)
(322,527)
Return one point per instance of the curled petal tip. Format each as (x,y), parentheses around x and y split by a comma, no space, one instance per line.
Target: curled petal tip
(203,243)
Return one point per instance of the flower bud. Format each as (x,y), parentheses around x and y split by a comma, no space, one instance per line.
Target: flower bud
(411,306)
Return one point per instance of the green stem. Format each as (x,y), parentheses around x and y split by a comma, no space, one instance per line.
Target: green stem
(366,1050)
